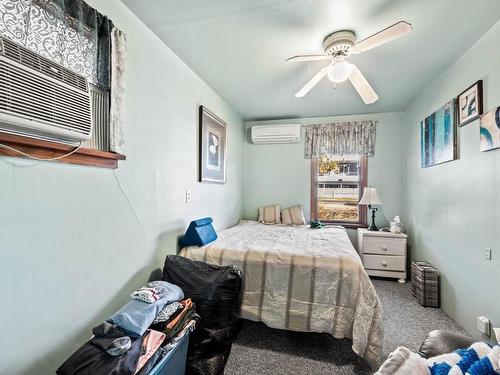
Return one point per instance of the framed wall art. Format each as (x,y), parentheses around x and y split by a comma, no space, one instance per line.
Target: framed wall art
(212,142)
(470,103)
(489,130)
(438,136)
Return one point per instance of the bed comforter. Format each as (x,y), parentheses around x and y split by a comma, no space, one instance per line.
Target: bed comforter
(301,279)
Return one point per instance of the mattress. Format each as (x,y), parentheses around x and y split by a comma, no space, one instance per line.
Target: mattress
(301,279)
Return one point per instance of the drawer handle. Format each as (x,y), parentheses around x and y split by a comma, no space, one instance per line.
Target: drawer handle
(384,263)
(384,247)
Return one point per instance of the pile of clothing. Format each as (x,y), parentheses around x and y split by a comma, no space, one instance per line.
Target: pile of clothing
(138,336)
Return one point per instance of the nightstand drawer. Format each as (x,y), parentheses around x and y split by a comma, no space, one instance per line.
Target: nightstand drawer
(383,262)
(384,246)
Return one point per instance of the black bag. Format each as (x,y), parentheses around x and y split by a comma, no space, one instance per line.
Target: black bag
(216,292)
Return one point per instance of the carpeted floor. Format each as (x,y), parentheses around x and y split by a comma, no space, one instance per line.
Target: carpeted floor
(261,350)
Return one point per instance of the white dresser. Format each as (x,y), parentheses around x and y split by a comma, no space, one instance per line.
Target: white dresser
(383,253)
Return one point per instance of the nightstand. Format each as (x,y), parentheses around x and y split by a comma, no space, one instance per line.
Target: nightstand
(383,253)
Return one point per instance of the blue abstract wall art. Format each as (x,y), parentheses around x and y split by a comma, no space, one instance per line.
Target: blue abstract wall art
(490,130)
(438,134)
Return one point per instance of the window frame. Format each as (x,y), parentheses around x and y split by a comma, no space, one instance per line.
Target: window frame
(47,149)
(362,209)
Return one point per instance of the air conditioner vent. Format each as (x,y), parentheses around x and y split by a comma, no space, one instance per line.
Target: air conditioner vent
(34,61)
(26,94)
(272,134)
(41,99)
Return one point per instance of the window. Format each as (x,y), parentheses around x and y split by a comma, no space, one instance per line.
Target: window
(337,184)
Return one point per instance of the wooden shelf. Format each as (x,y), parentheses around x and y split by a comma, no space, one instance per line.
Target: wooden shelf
(46,149)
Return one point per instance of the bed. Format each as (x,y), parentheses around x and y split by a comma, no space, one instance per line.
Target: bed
(301,279)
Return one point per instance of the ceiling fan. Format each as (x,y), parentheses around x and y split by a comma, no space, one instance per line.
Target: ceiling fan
(338,47)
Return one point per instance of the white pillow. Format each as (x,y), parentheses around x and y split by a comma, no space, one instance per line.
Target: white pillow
(293,216)
(270,214)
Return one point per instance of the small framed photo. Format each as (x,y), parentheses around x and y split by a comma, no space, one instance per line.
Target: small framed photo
(470,103)
(212,142)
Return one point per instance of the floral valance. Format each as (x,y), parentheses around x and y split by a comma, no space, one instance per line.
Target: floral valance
(343,138)
(68,32)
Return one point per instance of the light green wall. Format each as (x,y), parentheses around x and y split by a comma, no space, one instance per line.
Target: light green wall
(72,245)
(74,241)
(453,208)
(279,174)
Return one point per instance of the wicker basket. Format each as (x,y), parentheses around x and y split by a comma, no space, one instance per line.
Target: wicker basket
(425,283)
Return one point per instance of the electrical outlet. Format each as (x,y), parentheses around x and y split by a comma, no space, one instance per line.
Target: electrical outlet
(487,253)
(188,196)
(483,325)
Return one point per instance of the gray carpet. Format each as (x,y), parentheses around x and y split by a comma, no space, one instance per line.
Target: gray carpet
(261,350)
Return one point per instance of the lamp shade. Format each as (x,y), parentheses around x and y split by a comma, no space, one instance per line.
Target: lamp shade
(370,197)
(340,71)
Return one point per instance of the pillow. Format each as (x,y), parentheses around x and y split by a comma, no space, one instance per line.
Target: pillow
(199,233)
(293,216)
(270,214)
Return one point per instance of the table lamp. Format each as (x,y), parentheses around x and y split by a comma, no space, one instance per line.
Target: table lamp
(370,198)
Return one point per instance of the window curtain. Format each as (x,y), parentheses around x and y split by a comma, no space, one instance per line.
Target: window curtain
(117,114)
(76,36)
(343,138)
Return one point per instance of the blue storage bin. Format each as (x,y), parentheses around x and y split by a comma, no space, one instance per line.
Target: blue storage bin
(174,363)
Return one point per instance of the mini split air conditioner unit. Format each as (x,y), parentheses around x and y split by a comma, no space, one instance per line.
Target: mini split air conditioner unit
(41,99)
(269,134)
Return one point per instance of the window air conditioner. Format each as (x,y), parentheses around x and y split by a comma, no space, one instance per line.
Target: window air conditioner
(41,99)
(269,134)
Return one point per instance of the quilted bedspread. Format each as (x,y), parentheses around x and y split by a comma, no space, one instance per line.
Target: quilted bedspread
(301,279)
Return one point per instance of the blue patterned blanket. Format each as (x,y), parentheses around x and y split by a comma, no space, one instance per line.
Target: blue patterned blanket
(479,359)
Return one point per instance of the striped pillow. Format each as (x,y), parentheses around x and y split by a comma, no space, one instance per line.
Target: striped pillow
(270,214)
(293,216)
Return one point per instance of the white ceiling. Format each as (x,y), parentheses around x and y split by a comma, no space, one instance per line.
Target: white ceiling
(239,46)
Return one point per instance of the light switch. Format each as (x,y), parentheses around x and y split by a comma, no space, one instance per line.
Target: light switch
(487,253)
(188,196)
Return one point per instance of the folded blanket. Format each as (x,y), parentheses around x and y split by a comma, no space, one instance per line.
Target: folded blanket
(478,359)
(136,316)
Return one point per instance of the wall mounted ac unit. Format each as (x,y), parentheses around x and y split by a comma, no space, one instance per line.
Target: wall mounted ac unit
(41,99)
(269,134)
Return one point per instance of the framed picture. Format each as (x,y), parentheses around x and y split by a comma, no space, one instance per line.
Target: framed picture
(489,130)
(470,103)
(213,150)
(438,136)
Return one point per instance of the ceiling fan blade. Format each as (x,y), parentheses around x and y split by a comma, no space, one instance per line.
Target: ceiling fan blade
(313,82)
(300,58)
(392,32)
(362,86)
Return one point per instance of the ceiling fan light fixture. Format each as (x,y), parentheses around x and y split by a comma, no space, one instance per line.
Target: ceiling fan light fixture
(339,72)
